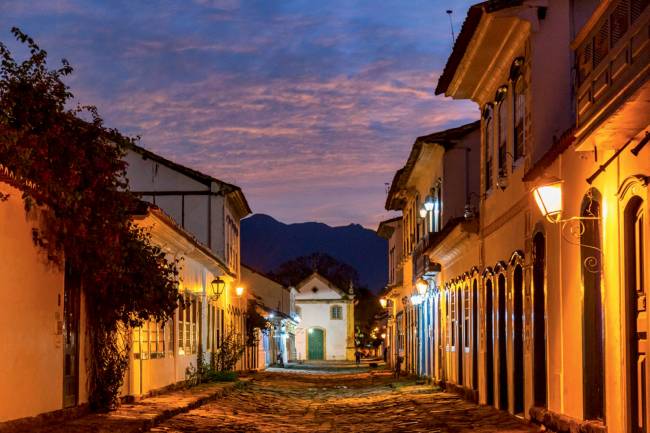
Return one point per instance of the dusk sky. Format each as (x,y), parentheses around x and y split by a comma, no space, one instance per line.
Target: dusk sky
(310,106)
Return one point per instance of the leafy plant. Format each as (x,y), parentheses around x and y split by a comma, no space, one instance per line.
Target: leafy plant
(71,166)
(231,350)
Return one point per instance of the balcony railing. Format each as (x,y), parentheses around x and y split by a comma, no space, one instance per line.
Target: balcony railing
(612,54)
(422,266)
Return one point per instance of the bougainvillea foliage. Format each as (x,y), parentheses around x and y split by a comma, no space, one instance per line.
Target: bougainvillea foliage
(71,166)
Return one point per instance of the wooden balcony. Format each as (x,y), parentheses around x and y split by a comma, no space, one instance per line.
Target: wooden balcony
(422,265)
(612,57)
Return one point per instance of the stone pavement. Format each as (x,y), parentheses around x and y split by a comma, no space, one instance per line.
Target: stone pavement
(278,401)
(135,417)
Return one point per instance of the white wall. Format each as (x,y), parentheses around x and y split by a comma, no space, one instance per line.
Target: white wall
(314,309)
(317,315)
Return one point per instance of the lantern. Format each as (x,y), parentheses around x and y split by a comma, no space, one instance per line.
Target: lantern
(549,199)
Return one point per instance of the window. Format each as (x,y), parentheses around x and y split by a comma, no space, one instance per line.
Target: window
(488,138)
(519,105)
(149,340)
(181,325)
(336,312)
(503,132)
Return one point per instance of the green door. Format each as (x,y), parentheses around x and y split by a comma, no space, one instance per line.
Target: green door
(315,343)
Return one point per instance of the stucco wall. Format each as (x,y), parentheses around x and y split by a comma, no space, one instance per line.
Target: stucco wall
(31,368)
(315,313)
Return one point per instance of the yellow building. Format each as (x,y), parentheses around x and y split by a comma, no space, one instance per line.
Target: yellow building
(562,264)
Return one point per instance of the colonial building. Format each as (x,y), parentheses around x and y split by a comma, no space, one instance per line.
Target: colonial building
(539,297)
(277,304)
(437,193)
(391,230)
(326,329)
(204,206)
(161,353)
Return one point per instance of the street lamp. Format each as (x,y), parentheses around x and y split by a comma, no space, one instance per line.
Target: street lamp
(423,212)
(422,287)
(383,302)
(217,286)
(239,291)
(429,203)
(548,197)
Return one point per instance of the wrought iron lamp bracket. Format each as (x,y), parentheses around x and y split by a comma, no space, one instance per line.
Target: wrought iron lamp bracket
(572,230)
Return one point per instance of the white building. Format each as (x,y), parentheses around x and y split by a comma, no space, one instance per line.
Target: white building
(326,330)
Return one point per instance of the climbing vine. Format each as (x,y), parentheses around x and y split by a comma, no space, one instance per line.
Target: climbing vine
(70,165)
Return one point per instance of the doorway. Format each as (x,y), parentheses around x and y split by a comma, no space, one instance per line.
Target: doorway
(71,300)
(489,343)
(636,311)
(459,331)
(593,335)
(315,344)
(503,365)
(474,335)
(518,371)
(539,313)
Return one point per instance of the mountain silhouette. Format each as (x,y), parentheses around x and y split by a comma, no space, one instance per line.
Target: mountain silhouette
(267,243)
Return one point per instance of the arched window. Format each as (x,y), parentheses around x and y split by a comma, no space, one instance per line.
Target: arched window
(488,139)
(519,107)
(336,312)
(502,111)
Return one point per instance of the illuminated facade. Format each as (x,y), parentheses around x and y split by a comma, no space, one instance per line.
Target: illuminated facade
(542,311)
(437,193)
(326,328)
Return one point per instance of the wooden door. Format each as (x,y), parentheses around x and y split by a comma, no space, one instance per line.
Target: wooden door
(637,328)
(315,343)
(70,338)
(489,343)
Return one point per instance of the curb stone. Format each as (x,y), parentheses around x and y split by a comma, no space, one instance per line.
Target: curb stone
(132,418)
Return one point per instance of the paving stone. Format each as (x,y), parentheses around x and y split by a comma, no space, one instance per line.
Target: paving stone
(281,401)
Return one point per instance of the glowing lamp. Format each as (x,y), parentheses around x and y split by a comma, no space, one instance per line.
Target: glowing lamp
(383,335)
(416,299)
(217,286)
(549,199)
(271,315)
(383,302)
(422,287)
(423,212)
(239,291)
(428,203)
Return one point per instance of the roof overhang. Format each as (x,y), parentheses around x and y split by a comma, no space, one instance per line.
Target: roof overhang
(425,149)
(387,227)
(491,33)
(174,239)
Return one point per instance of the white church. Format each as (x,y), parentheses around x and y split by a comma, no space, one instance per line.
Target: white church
(326,329)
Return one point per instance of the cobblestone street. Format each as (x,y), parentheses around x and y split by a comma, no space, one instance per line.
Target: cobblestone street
(340,401)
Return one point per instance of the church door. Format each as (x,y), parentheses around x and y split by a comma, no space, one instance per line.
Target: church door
(315,343)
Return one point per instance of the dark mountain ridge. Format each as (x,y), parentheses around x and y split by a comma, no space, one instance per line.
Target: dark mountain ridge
(267,243)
